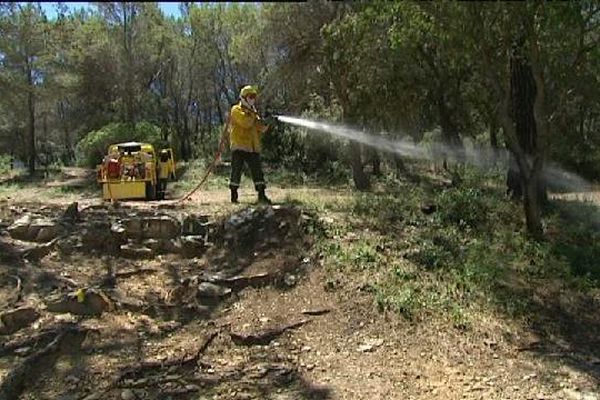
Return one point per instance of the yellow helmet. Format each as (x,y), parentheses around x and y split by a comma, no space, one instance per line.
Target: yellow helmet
(246,90)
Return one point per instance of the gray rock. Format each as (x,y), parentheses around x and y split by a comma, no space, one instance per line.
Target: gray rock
(192,246)
(136,251)
(153,244)
(95,302)
(71,214)
(170,245)
(68,397)
(99,236)
(194,225)
(20,228)
(16,319)
(128,394)
(570,394)
(290,280)
(117,228)
(365,348)
(93,396)
(133,228)
(29,230)
(47,233)
(163,227)
(207,289)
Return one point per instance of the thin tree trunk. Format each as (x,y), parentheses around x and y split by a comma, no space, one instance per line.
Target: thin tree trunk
(376,162)
(31,110)
(493,141)
(530,168)
(450,136)
(218,104)
(533,211)
(514,184)
(68,153)
(400,166)
(529,160)
(494,135)
(361,180)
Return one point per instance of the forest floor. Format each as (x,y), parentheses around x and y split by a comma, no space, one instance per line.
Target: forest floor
(316,297)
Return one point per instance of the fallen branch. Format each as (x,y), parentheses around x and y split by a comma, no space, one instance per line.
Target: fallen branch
(16,319)
(27,341)
(180,391)
(14,383)
(8,252)
(68,282)
(241,282)
(265,337)
(19,287)
(317,312)
(127,274)
(36,253)
(133,372)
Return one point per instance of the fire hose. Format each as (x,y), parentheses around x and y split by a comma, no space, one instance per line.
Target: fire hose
(210,167)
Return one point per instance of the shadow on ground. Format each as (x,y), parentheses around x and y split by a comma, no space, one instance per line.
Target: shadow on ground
(561,303)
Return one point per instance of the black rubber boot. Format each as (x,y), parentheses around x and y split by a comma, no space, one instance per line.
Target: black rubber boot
(262,197)
(234,196)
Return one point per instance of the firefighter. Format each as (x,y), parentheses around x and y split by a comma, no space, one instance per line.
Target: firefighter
(164,172)
(246,128)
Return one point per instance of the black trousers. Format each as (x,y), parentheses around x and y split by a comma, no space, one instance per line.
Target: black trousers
(161,189)
(238,158)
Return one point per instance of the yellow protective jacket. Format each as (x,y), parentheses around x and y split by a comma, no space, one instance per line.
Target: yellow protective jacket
(164,169)
(245,129)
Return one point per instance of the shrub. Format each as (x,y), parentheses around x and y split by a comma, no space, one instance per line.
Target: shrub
(93,146)
(4,164)
(465,207)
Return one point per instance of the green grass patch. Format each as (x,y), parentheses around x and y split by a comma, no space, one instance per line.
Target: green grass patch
(469,256)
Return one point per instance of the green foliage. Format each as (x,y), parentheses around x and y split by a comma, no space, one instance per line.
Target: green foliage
(4,164)
(314,154)
(433,254)
(453,264)
(403,299)
(578,244)
(93,147)
(359,255)
(466,208)
(395,206)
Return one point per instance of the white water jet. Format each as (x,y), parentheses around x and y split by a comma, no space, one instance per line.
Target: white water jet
(478,157)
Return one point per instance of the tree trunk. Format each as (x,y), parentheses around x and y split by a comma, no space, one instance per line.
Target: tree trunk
(493,142)
(523,93)
(361,180)
(399,164)
(376,162)
(532,204)
(517,99)
(453,146)
(524,146)
(67,155)
(31,127)
(514,185)
(493,135)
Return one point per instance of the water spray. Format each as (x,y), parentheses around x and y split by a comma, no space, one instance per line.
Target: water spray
(478,157)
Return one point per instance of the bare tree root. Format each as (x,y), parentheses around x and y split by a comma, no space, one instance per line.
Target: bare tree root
(133,372)
(265,337)
(14,383)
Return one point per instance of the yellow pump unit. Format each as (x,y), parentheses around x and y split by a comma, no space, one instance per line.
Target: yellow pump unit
(134,170)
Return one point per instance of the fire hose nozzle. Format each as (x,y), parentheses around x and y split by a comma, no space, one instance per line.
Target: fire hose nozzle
(271,117)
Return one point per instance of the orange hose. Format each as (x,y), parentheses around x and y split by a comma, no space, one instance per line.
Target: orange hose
(210,167)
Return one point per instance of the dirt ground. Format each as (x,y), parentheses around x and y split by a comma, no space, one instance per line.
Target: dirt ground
(265,325)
